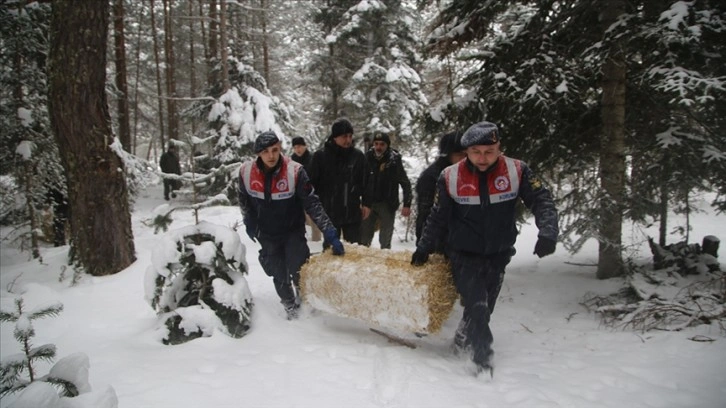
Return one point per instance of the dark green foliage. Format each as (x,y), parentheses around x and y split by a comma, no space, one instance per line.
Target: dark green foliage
(190,287)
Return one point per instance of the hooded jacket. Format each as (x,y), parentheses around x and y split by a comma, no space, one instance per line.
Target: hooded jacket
(387,173)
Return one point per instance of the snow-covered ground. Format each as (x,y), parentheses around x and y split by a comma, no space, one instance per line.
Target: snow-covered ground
(550,352)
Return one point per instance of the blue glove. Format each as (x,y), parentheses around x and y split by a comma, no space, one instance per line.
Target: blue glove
(419,257)
(331,237)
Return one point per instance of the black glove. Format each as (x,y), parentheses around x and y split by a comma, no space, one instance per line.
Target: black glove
(331,237)
(544,247)
(251,231)
(419,257)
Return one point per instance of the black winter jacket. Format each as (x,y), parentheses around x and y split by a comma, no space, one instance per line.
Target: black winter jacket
(340,179)
(490,227)
(425,192)
(306,159)
(169,163)
(281,213)
(387,173)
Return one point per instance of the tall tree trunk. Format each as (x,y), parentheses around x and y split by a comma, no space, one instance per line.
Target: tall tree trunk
(265,45)
(212,77)
(157,61)
(192,62)
(137,63)
(223,45)
(170,70)
(612,150)
(124,130)
(102,239)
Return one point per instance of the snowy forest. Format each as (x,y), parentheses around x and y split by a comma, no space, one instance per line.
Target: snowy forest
(619,106)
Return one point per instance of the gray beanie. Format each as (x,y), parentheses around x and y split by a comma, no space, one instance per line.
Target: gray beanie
(265,140)
(482,133)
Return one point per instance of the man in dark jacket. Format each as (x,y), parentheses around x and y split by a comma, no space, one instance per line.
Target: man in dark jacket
(476,208)
(387,173)
(339,173)
(450,152)
(301,154)
(274,195)
(169,163)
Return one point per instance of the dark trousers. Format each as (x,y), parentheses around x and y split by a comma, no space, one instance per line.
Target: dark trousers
(348,232)
(169,187)
(478,280)
(282,259)
(382,212)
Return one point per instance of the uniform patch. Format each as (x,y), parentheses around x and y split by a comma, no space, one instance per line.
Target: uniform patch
(281,185)
(501,183)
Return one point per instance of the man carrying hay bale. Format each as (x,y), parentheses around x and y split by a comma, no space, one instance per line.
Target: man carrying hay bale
(274,195)
(476,209)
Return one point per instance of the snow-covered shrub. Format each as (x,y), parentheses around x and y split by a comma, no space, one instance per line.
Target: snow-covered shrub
(65,385)
(196,283)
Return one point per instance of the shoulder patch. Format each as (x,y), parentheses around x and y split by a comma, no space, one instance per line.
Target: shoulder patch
(535,183)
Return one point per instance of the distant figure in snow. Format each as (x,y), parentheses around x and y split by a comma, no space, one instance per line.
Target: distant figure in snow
(169,163)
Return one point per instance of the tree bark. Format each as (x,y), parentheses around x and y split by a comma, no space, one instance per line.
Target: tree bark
(102,239)
(171,113)
(212,78)
(158,76)
(223,45)
(124,130)
(612,150)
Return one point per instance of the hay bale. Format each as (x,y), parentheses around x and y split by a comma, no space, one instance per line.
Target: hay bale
(380,287)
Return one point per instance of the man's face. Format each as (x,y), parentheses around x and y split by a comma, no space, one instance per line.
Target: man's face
(299,149)
(483,156)
(379,147)
(271,155)
(345,141)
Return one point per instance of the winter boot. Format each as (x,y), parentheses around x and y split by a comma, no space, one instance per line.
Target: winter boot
(292,308)
(461,346)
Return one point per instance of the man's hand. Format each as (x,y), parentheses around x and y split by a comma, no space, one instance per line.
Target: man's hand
(406,211)
(419,257)
(365,212)
(544,247)
(251,231)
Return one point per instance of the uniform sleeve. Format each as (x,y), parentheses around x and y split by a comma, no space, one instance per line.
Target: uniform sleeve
(245,202)
(436,222)
(311,203)
(405,184)
(539,200)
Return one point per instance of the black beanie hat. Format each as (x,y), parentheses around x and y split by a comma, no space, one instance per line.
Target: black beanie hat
(482,133)
(382,137)
(265,140)
(341,126)
(450,143)
(297,140)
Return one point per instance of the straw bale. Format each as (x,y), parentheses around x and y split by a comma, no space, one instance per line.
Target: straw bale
(380,287)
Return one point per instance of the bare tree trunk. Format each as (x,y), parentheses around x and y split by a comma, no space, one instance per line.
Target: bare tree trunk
(663,205)
(612,151)
(224,45)
(212,77)
(158,76)
(170,70)
(192,66)
(124,131)
(265,45)
(134,136)
(102,239)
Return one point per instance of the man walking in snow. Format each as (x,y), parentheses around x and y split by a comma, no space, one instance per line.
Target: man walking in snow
(274,195)
(339,173)
(301,154)
(450,152)
(386,174)
(169,163)
(476,209)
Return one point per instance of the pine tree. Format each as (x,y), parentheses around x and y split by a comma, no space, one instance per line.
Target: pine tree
(537,72)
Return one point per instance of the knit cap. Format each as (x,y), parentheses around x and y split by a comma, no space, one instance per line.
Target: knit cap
(482,133)
(265,140)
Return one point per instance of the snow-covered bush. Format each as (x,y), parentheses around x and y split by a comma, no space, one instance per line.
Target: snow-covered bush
(65,385)
(196,283)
